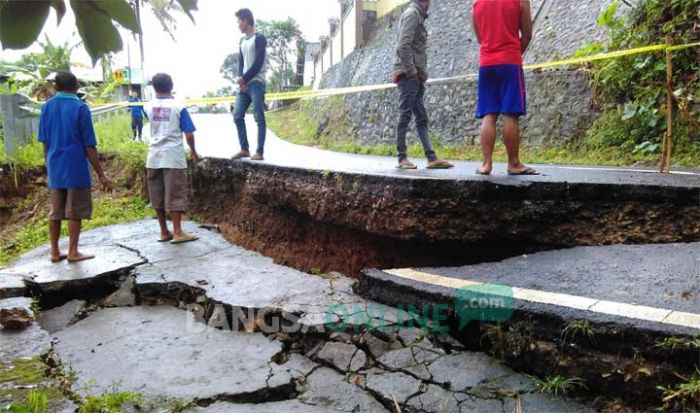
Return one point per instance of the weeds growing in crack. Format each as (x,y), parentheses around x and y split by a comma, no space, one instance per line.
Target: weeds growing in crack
(111,401)
(673,343)
(511,341)
(558,385)
(577,329)
(35,306)
(684,396)
(37,402)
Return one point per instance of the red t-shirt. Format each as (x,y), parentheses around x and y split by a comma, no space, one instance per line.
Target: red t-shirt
(498,24)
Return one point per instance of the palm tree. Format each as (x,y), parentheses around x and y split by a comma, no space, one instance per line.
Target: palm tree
(163,10)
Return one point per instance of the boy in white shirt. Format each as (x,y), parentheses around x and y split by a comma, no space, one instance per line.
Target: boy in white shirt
(168,186)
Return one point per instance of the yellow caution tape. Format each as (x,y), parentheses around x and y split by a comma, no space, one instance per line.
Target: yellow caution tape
(357,89)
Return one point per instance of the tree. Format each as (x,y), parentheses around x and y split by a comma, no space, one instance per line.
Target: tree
(282,37)
(229,68)
(21,21)
(31,71)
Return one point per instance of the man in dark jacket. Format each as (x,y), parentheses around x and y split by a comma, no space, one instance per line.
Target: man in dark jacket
(410,74)
(252,67)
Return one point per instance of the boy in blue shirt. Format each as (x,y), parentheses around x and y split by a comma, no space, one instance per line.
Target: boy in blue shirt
(65,129)
(137,113)
(168,186)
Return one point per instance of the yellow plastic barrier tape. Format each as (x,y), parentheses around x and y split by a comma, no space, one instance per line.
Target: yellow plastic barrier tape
(356,89)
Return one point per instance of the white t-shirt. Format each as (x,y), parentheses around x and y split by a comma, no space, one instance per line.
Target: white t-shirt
(169,120)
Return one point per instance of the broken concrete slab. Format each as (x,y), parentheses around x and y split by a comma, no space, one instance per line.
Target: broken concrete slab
(476,405)
(273,407)
(435,400)
(146,243)
(359,361)
(328,389)
(404,360)
(378,347)
(339,355)
(299,365)
(11,286)
(239,278)
(53,277)
(393,386)
(57,319)
(125,296)
(503,385)
(540,403)
(154,350)
(462,371)
(29,342)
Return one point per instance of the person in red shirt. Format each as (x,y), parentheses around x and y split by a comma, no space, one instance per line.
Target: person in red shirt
(503,28)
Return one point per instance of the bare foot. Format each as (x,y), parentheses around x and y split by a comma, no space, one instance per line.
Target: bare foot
(79,257)
(484,170)
(58,258)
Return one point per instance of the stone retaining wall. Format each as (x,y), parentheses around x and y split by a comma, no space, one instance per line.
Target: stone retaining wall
(559,105)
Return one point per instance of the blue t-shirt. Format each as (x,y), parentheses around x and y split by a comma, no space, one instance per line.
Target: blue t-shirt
(66,128)
(136,111)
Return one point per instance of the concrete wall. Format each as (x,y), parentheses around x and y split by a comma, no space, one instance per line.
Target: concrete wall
(337,48)
(383,7)
(349,32)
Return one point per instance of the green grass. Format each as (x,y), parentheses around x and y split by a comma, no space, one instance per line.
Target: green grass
(558,385)
(577,329)
(114,138)
(112,401)
(297,126)
(684,396)
(106,211)
(19,378)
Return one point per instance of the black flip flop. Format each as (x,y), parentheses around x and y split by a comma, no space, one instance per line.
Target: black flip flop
(479,172)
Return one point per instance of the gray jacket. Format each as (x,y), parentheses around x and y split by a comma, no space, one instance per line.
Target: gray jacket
(412,45)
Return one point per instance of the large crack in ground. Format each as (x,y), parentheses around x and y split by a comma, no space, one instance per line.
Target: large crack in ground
(163,312)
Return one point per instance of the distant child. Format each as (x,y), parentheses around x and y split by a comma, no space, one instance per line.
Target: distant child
(167,166)
(137,113)
(65,129)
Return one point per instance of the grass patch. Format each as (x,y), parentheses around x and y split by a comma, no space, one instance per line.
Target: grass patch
(558,385)
(684,396)
(297,124)
(21,378)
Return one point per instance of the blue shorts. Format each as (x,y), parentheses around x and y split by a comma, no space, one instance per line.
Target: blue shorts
(501,91)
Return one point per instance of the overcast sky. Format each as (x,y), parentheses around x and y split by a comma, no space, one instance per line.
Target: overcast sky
(194,58)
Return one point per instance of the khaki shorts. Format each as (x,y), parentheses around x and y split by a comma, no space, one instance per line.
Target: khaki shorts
(75,204)
(168,189)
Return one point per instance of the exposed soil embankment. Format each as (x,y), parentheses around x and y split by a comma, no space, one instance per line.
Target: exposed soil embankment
(346,222)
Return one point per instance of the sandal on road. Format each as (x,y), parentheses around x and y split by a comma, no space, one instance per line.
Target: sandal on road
(440,164)
(526,171)
(240,155)
(186,238)
(480,172)
(166,239)
(406,164)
